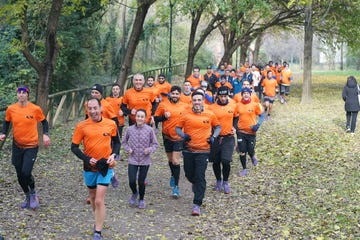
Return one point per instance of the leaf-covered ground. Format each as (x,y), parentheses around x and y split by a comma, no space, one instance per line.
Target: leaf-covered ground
(306,186)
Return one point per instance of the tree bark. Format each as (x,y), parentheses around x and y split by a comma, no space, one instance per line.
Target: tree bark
(258,43)
(126,65)
(44,69)
(308,42)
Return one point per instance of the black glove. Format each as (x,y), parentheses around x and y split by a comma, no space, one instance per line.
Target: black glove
(102,166)
(187,138)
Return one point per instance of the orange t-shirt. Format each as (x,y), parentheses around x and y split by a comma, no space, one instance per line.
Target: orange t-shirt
(163,88)
(116,103)
(195,82)
(24,120)
(247,116)
(96,137)
(139,100)
(225,115)
(169,125)
(198,127)
(185,98)
(269,87)
(107,111)
(286,75)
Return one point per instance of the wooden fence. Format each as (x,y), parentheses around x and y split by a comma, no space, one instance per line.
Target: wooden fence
(68,105)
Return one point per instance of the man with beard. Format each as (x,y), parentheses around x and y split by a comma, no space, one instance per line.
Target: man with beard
(196,78)
(198,127)
(169,113)
(163,86)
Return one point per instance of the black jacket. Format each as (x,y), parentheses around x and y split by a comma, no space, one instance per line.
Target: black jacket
(350,96)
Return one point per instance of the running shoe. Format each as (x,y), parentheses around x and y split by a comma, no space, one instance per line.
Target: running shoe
(146,182)
(97,236)
(114,181)
(118,157)
(195,210)
(34,201)
(132,199)
(254,160)
(218,186)
(243,173)
(142,204)
(26,203)
(176,192)
(226,187)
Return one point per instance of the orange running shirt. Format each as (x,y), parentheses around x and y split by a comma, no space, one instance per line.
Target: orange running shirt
(24,120)
(247,116)
(198,127)
(96,137)
(269,87)
(139,100)
(116,103)
(195,82)
(225,115)
(163,88)
(185,98)
(286,75)
(169,125)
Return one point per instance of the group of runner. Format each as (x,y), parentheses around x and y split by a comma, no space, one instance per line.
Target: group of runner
(198,121)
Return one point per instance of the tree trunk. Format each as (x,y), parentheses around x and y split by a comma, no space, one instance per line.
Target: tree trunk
(258,43)
(45,69)
(308,42)
(126,65)
(243,51)
(342,56)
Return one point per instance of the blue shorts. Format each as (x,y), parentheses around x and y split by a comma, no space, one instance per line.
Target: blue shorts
(92,179)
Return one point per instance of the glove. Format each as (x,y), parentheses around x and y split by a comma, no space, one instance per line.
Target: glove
(187,138)
(211,140)
(102,166)
(255,127)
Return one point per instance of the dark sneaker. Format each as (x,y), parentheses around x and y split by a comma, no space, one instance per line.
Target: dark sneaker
(97,236)
(88,200)
(26,203)
(34,201)
(176,193)
(172,181)
(254,160)
(243,173)
(114,181)
(142,204)
(226,187)
(195,210)
(132,199)
(218,186)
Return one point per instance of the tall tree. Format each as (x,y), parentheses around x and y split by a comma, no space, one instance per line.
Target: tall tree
(137,28)
(308,43)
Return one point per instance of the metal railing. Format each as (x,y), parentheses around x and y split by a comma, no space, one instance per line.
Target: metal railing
(67,105)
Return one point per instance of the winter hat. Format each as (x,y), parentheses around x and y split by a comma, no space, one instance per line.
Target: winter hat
(98,88)
(223,90)
(245,89)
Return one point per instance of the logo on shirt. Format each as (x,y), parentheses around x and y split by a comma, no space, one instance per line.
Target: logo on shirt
(29,117)
(106,134)
(145,99)
(206,121)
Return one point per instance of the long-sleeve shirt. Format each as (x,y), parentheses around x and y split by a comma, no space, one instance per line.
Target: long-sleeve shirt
(137,139)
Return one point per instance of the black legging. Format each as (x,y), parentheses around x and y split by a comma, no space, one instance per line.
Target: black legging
(225,170)
(132,173)
(23,160)
(351,117)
